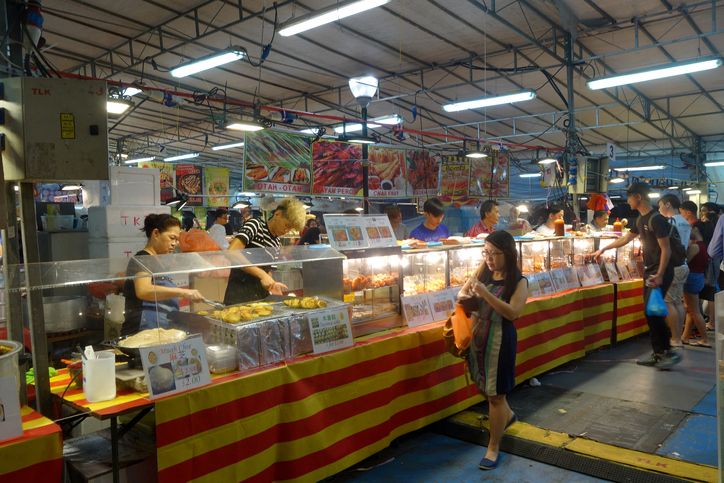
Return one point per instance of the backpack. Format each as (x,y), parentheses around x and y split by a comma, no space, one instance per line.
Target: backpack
(678,252)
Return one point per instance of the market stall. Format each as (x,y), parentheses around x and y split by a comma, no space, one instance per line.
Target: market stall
(37,455)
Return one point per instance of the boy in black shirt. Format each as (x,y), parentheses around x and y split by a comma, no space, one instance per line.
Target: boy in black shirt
(654,230)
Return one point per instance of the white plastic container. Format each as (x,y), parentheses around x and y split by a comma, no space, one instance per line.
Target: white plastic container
(120,221)
(115,248)
(99,377)
(135,186)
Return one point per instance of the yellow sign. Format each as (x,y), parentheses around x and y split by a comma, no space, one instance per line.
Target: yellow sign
(67,125)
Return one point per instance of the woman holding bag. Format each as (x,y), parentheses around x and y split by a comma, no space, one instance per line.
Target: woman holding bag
(494,297)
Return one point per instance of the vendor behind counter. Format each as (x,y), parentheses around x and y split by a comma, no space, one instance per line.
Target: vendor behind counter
(151,300)
(255,283)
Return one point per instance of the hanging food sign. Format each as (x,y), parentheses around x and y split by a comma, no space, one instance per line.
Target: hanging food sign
(167,171)
(188,181)
(337,168)
(423,171)
(387,177)
(216,184)
(454,177)
(277,162)
(489,176)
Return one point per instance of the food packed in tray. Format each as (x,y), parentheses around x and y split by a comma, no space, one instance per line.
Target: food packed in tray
(305,303)
(241,313)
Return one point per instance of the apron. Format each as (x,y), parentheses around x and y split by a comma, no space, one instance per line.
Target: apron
(156,314)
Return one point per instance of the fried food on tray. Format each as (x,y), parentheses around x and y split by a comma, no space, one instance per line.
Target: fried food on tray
(151,337)
(305,303)
(241,313)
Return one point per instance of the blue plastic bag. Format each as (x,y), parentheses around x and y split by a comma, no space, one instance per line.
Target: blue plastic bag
(656,306)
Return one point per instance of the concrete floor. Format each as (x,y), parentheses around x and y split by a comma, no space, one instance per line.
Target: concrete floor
(605,397)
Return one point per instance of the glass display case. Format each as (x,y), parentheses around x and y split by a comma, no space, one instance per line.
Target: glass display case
(463,263)
(533,255)
(153,300)
(424,270)
(372,284)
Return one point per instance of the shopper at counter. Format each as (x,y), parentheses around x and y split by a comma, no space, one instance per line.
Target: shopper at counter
(495,297)
(217,231)
(394,213)
(489,216)
(599,221)
(548,226)
(254,283)
(654,230)
(432,228)
(149,301)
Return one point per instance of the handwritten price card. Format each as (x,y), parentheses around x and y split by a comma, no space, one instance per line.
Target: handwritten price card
(330,330)
(417,310)
(172,368)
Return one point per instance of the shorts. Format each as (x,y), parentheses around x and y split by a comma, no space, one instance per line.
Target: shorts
(676,290)
(694,283)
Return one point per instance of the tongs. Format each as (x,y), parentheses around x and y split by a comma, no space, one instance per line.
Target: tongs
(216,305)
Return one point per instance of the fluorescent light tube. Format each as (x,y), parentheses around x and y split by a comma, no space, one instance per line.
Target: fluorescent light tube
(323,17)
(206,63)
(182,156)
(72,187)
(693,192)
(392,119)
(686,189)
(617,180)
(679,68)
(114,106)
(673,188)
(361,140)
(476,155)
(714,163)
(530,175)
(489,101)
(354,127)
(654,195)
(139,160)
(227,146)
(641,168)
(245,126)
(547,161)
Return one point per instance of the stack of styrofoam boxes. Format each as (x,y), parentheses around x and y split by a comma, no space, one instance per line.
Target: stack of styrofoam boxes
(115,230)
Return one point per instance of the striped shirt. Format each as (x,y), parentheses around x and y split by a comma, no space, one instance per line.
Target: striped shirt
(255,234)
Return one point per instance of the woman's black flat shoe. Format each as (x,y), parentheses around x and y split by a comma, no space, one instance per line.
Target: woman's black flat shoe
(513,419)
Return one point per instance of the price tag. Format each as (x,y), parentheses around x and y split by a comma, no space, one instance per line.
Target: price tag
(11,425)
(330,330)
(442,303)
(417,310)
(173,368)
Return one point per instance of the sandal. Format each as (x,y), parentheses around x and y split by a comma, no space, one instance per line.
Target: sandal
(701,343)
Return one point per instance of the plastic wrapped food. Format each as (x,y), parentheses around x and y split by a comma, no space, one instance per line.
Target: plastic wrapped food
(222,358)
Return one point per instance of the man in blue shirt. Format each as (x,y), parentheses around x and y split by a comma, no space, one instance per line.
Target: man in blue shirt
(432,228)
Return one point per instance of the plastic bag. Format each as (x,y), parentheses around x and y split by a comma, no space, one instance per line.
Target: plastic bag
(656,306)
(196,240)
(458,332)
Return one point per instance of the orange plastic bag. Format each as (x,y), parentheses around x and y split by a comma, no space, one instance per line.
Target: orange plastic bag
(458,332)
(196,240)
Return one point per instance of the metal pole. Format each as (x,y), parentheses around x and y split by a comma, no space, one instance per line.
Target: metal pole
(365,164)
(35,299)
(8,202)
(571,135)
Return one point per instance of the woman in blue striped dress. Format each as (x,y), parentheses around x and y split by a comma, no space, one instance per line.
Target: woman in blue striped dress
(494,298)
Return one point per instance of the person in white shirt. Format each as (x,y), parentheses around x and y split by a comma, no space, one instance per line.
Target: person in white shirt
(217,230)
(669,207)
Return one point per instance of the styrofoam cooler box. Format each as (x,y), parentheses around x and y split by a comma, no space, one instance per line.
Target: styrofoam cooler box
(120,221)
(115,248)
(135,186)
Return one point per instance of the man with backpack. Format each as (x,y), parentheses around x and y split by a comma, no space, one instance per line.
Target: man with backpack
(655,233)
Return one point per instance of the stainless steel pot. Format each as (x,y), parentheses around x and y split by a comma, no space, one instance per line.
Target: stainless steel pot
(63,313)
(9,361)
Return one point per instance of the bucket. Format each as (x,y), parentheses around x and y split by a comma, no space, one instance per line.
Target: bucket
(9,360)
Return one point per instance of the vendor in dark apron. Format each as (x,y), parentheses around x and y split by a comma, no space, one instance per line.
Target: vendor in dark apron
(255,283)
(151,299)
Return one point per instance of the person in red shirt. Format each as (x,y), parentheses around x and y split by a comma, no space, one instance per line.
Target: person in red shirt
(489,215)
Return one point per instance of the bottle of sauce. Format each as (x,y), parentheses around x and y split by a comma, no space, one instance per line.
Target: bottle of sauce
(560,227)
(617,226)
